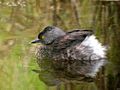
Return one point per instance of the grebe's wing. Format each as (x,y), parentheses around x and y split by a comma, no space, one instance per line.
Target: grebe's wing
(71,38)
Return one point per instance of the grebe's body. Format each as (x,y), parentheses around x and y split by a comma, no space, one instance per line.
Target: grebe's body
(71,55)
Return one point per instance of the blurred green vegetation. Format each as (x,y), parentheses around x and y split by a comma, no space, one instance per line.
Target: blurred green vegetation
(21,20)
(17,28)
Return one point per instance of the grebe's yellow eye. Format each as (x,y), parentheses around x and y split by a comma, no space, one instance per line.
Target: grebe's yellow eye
(42,37)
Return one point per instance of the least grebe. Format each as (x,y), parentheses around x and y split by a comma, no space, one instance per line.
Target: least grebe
(69,55)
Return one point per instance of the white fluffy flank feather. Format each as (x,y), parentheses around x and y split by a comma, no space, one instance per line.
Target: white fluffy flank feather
(97,47)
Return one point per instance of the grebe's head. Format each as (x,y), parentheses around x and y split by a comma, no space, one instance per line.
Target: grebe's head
(48,35)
